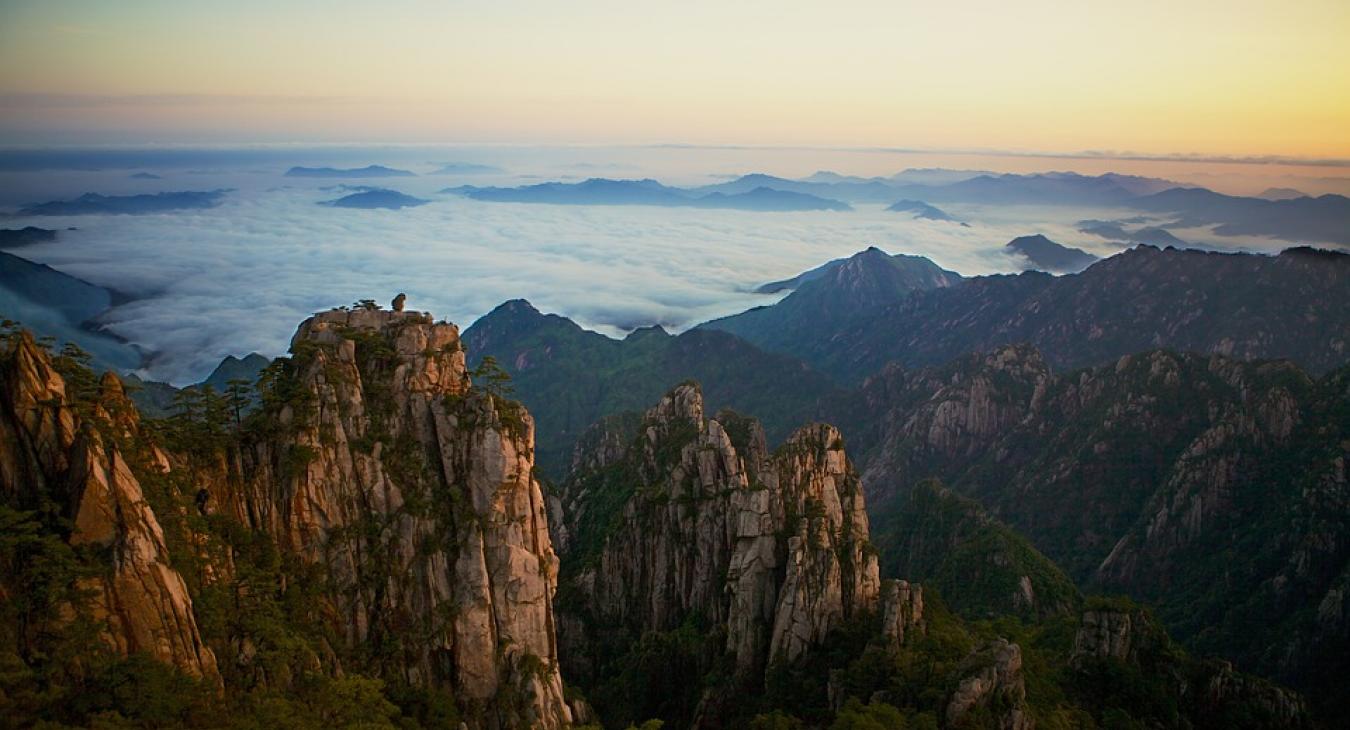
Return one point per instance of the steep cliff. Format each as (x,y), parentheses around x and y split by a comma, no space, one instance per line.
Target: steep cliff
(1213,488)
(415,493)
(59,458)
(376,516)
(697,524)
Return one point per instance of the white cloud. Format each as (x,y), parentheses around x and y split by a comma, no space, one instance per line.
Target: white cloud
(240,277)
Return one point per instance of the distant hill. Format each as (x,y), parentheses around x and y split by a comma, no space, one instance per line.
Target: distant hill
(144,176)
(93,203)
(26,236)
(1281,194)
(1243,305)
(1324,219)
(921,209)
(570,377)
(376,198)
(602,191)
(52,303)
(156,399)
(1115,231)
(466,168)
(1042,254)
(349,172)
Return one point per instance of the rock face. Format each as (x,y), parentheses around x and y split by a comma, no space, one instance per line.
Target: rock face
(1210,692)
(51,453)
(901,610)
(398,494)
(1165,476)
(996,684)
(696,518)
(415,493)
(1106,634)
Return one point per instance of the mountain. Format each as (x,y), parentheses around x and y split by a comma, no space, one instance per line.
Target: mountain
(828,297)
(144,176)
(26,236)
(921,209)
(1325,218)
(768,199)
(1114,231)
(1042,254)
(159,400)
(1051,188)
(63,307)
(982,568)
(1281,194)
(690,526)
(601,191)
(1210,487)
(95,204)
(851,189)
(466,168)
(1241,305)
(234,368)
(369,548)
(349,172)
(574,377)
(710,583)
(376,198)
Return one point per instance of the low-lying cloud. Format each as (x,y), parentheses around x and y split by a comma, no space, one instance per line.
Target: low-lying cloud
(240,277)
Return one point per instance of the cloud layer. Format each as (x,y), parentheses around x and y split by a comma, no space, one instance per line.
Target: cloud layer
(240,277)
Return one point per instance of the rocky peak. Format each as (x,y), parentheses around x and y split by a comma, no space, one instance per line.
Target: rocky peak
(994,680)
(51,454)
(702,521)
(374,421)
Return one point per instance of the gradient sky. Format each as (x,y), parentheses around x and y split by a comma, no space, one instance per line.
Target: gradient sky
(1232,77)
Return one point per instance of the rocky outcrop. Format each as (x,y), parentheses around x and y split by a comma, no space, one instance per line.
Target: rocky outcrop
(414,491)
(52,453)
(1137,477)
(901,611)
(993,682)
(1110,634)
(696,518)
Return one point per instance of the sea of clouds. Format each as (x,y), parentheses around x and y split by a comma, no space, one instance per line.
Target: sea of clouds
(238,278)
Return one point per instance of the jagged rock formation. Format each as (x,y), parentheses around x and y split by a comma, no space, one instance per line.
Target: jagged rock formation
(995,682)
(1213,488)
(383,431)
(901,610)
(53,457)
(1118,639)
(1108,634)
(697,519)
(400,498)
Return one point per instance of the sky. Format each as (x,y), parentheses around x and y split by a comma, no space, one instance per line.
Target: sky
(1154,77)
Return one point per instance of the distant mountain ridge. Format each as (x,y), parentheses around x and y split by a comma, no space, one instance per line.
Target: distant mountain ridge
(94,203)
(1242,305)
(348,172)
(603,191)
(574,376)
